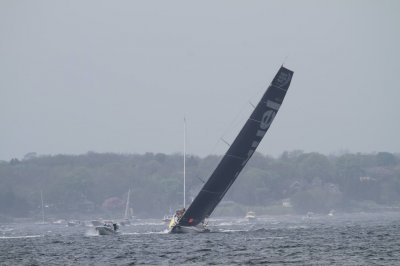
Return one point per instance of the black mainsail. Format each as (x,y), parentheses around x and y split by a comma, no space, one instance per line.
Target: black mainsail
(239,152)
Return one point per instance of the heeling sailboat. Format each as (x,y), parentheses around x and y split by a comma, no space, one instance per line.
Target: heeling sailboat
(235,158)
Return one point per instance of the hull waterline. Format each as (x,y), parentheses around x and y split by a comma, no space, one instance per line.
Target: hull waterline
(188,230)
(104,230)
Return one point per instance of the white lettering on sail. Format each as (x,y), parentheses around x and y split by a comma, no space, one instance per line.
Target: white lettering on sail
(267,119)
(265,122)
(255,144)
(273,105)
(260,133)
(283,79)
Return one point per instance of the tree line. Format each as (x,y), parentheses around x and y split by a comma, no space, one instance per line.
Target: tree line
(295,182)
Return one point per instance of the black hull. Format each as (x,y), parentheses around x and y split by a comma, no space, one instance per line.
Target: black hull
(188,230)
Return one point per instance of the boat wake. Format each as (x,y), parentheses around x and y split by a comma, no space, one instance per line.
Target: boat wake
(92,232)
(231,230)
(147,233)
(149,223)
(20,237)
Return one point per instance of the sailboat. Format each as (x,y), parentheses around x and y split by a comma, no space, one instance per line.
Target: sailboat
(127,215)
(234,160)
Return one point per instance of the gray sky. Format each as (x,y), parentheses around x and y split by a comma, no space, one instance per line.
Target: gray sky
(119,76)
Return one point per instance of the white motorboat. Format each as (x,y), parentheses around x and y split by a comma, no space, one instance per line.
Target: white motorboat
(251,216)
(108,228)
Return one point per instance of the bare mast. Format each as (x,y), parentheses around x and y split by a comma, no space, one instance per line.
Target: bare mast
(127,204)
(41,198)
(184,162)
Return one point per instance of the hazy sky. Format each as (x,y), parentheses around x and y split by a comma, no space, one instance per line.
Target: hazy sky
(119,76)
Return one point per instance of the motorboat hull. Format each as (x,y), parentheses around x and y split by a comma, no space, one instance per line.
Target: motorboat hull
(251,219)
(105,230)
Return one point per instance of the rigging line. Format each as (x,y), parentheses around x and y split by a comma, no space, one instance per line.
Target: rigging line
(234,156)
(272,85)
(198,177)
(225,142)
(252,104)
(235,120)
(284,60)
(211,192)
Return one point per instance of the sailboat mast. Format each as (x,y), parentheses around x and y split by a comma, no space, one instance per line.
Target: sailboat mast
(184,162)
(41,198)
(127,205)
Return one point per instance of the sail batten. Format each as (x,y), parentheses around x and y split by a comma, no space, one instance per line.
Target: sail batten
(239,152)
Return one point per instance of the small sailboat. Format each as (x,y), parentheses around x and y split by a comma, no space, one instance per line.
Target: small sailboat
(42,206)
(167,218)
(237,156)
(127,215)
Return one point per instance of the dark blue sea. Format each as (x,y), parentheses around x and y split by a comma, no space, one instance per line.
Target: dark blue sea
(341,239)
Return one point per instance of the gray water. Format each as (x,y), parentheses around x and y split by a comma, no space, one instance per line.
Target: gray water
(342,239)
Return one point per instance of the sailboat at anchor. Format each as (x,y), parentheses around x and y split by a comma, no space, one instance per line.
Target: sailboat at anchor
(240,151)
(128,214)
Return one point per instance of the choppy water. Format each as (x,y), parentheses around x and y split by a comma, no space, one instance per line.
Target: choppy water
(356,239)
